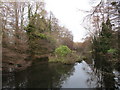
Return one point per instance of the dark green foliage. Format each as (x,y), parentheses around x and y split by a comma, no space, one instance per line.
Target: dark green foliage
(105,37)
(102,43)
(39,42)
(105,50)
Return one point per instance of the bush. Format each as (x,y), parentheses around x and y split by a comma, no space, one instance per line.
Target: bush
(62,51)
(64,55)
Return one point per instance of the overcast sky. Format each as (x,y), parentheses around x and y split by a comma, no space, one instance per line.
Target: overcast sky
(69,15)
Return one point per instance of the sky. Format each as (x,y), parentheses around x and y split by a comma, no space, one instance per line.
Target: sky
(70,15)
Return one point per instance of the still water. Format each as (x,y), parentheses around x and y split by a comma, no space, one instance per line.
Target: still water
(56,75)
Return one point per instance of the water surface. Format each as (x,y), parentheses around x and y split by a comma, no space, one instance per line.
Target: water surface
(56,75)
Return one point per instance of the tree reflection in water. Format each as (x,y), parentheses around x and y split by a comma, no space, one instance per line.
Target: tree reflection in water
(39,76)
(103,69)
(56,75)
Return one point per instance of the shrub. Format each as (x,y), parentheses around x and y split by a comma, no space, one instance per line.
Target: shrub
(64,55)
(62,51)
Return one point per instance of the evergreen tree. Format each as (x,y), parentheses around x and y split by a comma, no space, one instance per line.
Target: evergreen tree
(105,37)
(36,34)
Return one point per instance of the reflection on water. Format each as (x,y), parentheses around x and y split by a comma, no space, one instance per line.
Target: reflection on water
(43,75)
(80,77)
(56,75)
(105,70)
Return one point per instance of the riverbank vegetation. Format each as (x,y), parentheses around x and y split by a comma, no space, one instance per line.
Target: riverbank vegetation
(64,55)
